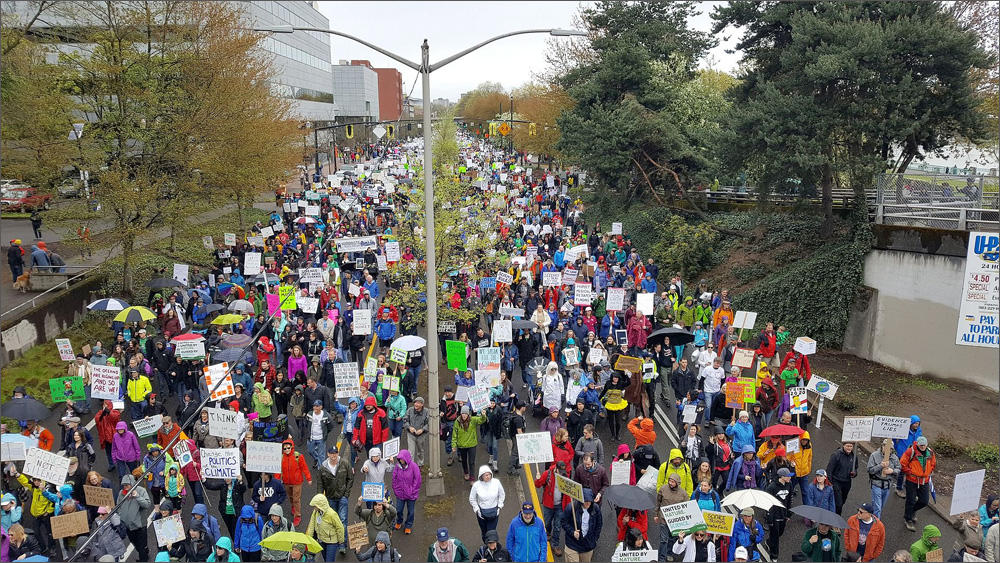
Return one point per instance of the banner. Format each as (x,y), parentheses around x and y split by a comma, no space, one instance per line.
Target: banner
(977,315)
(224,423)
(105,382)
(534,447)
(264,456)
(220,463)
(355,244)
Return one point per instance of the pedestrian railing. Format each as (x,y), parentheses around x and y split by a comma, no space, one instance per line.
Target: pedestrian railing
(33,301)
(938,216)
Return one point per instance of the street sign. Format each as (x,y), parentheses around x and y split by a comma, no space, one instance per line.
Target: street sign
(379,131)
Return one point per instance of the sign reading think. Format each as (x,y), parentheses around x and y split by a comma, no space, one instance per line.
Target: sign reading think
(683,516)
(105,382)
(534,447)
(264,456)
(891,427)
(47,466)
(857,429)
(373,491)
(65,348)
(169,529)
(220,463)
(224,423)
(346,379)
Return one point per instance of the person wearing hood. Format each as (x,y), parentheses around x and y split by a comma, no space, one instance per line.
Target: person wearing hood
(294,470)
(276,522)
(802,461)
(196,547)
(582,523)
(643,430)
(133,511)
(676,464)
(262,401)
(989,514)
(325,525)
(223,551)
(200,515)
(125,450)
(371,426)
(526,539)
(746,472)
(465,439)
(406,481)
(173,484)
(625,454)
(104,540)
(903,444)
(156,463)
(247,536)
(381,517)
(823,543)
(106,420)
(492,549)
(10,512)
(486,497)
(382,550)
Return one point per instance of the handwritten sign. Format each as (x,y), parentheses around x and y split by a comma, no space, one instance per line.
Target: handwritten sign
(373,491)
(793,446)
(362,322)
(390,448)
(857,429)
(690,414)
(616,228)
(65,348)
(229,239)
(308,305)
(264,456)
(511,312)
(569,275)
(148,426)
(47,466)
(169,529)
(935,555)
(479,398)
(504,277)
(69,525)
(535,447)
(190,349)
(105,382)
(551,279)
(583,294)
(346,380)
(718,522)
(181,273)
(286,295)
(967,490)
(357,535)
(616,298)
(743,357)
(391,383)
(215,374)
(629,364)
(182,453)
(397,355)
(569,487)
(621,472)
(220,463)
(897,427)
(734,395)
(224,423)
(447,327)
(683,516)
(12,451)
(98,496)
(798,396)
(503,331)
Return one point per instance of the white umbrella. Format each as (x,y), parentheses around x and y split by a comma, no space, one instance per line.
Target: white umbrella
(108,304)
(241,306)
(409,343)
(749,498)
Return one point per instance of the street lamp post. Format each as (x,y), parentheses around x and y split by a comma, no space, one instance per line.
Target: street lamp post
(435,483)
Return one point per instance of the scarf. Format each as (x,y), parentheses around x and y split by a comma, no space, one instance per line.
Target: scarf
(746,468)
(447,554)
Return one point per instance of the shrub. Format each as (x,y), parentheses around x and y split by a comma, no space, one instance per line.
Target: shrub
(985,454)
(944,446)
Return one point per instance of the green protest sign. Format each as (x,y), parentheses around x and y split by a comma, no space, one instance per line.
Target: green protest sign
(456,355)
(63,388)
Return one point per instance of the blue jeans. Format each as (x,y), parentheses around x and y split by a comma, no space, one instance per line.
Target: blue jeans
(709,397)
(879,496)
(317,450)
(395,427)
(135,409)
(410,506)
(330,551)
(803,482)
(491,446)
(553,523)
(341,506)
(125,467)
(447,443)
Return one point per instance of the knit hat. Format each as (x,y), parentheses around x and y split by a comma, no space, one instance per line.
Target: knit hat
(466,409)
(784,472)
(922,441)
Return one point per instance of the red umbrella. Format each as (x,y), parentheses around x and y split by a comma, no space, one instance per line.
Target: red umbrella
(781,430)
(187,336)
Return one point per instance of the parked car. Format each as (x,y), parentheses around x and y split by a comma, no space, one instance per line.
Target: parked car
(25,199)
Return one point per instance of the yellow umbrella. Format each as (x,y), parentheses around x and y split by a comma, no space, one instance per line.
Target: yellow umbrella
(135,314)
(283,541)
(227,319)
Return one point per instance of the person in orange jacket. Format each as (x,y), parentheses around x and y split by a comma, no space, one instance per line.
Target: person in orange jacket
(294,470)
(642,430)
(874,540)
(918,463)
(45,438)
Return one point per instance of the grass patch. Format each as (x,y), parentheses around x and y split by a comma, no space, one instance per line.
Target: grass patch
(6,215)
(929,384)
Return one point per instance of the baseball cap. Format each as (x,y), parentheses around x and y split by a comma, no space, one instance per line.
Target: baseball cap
(741,552)
(332,449)
(527,507)
(867,507)
(821,472)
(442,534)
(317,403)
(746,512)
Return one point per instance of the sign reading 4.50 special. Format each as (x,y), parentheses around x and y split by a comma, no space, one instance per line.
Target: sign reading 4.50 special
(977,317)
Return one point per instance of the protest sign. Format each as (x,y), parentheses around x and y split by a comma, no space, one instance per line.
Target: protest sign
(220,463)
(105,382)
(826,388)
(744,320)
(966,491)
(181,273)
(390,448)
(583,294)
(569,276)
(550,279)
(644,303)
(392,251)
(503,331)
(224,423)
(373,491)
(207,242)
(683,516)
(447,327)
(479,398)
(792,446)
(65,348)
(897,427)
(98,496)
(534,447)
(229,239)
(805,345)
(312,210)
(148,426)
(621,472)
(595,355)
(357,535)
(47,466)
(69,525)
(66,388)
(255,241)
(797,396)
(270,431)
(182,453)
(308,304)
(576,252)
(511,312)
(169,529)
(391,383)
(621,337)
(455,355)
(616,228)
(381,262)
(354,290)
(734,395)
(690,414)
(189,349)
(307,275)
(616,299)
(251,263)
(569,487)
(264,456)
(935,555)
(462,393)
(857,429)
(488,359)
(749,389)
(743,357)
(629,364)
(12,451)
(371,369)
(362,321)
(504,277)
(216,373)
(622,555)
(718,522)
(571,356)
(286,295)
(397,355)
(346,380)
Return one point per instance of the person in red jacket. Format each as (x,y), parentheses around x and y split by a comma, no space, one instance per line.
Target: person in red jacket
(768,346)
(294,470)
(551,514)
(371,427)
(801,364)
(628,518)
(105,420)
(562,449)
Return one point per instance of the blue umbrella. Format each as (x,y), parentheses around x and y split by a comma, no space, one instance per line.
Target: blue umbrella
(108,304)
(28,441)
(201,293)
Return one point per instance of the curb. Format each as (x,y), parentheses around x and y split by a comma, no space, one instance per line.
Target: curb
(935,505)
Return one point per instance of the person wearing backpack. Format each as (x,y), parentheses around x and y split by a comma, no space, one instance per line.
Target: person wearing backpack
(276,522)
(247,536)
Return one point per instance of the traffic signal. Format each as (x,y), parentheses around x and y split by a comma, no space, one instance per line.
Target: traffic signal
(390,131)
(349,131)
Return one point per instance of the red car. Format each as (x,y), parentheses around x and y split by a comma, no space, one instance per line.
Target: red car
(25,199)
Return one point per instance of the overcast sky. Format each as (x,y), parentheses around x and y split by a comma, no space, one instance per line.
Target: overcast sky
(450,27)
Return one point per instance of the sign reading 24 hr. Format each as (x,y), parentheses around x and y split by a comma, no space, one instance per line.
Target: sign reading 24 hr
(978,314)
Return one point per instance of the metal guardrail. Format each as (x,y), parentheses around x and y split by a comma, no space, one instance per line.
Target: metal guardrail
(30,303)
(938,216)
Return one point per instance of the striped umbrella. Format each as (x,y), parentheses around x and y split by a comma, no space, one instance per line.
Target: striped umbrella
(236,340)
(187,336)
(108,304)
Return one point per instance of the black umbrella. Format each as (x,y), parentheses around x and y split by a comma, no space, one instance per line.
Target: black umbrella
(627,496)
(678,336)
(521,324)
(161,283)
(214,307)
(231,355)
(537,366)
(25,408)
(820,516)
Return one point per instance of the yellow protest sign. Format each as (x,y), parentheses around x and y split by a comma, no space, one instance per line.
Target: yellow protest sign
(719,522)
(286,296)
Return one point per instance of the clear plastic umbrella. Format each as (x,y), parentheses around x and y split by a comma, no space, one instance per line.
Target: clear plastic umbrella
(750,498)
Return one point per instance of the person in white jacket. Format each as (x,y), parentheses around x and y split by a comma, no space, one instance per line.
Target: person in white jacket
(552,387)
(486,497)
(541,318)
(695,547)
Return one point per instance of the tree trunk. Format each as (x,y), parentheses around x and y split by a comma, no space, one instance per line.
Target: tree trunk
(826,183)
(173,236)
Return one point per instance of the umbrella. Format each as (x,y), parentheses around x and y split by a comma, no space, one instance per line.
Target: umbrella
(235,340)
(214,307)
(266,278)
(135,314)
(781,430)
(241,306)
(226,288)
(11,438)
(305,220)
(521,324)
(161,283)
(108,304)
(749,498)
(283,541)
(677,336)
(25,408)
(537,366)
(627,496)
(409,343)
(231,355)
(201,293)
(187,336)
(820,516)
(227,319)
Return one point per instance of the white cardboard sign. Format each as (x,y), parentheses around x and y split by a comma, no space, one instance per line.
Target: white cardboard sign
(224,423)
(65,348)
(535,447)
(47,466)
(220,463)
(857,429)
(897,427)
(105,382)
(264,456)
(967,490)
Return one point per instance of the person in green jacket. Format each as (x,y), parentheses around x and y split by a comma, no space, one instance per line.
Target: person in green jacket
(685,313)
(395,410)
(703,313)
(465,439)
(822,543)
(262,401)
(928,542)
(447,548)
(326,527)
